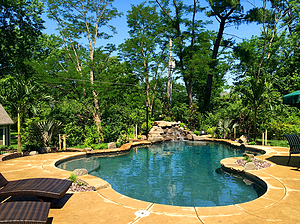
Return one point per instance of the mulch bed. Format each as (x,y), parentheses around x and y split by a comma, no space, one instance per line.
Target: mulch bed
(81,186)
(260,164)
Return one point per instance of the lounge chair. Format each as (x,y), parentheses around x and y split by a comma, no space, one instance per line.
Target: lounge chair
(24,212)
(294,143)
(42,188)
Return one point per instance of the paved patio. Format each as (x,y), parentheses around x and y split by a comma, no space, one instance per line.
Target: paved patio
(280,204)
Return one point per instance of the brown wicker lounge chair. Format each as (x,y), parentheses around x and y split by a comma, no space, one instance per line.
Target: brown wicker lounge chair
(24,212)
(43,188)
(294,143)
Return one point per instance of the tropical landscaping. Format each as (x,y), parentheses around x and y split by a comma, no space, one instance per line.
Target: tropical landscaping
(69,83)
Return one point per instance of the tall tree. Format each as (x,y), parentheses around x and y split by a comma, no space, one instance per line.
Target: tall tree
(83,21)
(263,58)
(226,12)
(185,34)
(19,94)
(144,51)
(20,27)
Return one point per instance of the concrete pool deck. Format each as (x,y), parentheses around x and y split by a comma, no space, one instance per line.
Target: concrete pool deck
(280,204)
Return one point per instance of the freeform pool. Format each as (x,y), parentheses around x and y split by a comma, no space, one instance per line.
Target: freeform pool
(180,173)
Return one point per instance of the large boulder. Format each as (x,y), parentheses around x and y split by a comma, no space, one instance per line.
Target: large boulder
(143,137)
(156,139)
(189,137)
(44,150)
(164,124)
(198,138)
(166,139)
(249,166)
(111,145)
(245,139)
(80,172)
(89,150)
(32,153)
(156,131)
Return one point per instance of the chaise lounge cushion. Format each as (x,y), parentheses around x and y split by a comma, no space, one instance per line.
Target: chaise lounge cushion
(39,187)
(24,212)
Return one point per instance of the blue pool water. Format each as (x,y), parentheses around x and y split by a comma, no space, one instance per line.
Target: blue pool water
(174,173)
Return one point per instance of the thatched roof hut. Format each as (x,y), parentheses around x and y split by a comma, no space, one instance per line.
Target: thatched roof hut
(5,122)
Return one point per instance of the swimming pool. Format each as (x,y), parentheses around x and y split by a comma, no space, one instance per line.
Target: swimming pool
(180,173)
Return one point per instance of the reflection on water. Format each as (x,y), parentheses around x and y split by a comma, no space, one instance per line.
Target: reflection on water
(90,163)
(173,173)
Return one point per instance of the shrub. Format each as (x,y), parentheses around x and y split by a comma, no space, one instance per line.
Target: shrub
(197,132)
(73,177)
(248,160)
(47,130)
(182,125)
(31,135)
(31,146)
(100,146)
(144,126)
(211,130)
(278,128)
(92,136)
(168,119)
(75,134)
(122,139)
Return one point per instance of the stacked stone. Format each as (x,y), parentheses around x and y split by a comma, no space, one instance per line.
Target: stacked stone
(162,131)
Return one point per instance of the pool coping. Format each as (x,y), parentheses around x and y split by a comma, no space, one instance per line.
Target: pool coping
(281,180)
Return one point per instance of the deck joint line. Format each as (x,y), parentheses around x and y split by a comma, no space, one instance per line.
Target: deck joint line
(198,215)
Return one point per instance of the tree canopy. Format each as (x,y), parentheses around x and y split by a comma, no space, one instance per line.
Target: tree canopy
(97,92)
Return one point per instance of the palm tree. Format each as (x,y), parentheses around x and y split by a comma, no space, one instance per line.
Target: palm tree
(18,94)
(48,129)
(224,126)
(254,93)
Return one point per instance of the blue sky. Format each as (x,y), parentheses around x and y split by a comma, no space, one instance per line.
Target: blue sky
(242,31)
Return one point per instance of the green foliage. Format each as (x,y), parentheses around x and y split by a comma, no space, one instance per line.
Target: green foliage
(48,130)
(224,127)
(80,183)
(92,136)
(277,127)
(182,125)
(247,158)
(31,138)
(196,132)
(211,131)
(195,119)
(122,139)
(21,25)
(100,146)
(96,95)
(73,177)
(38,133)
(252,143)
(75,134)
(144,126)
(31,146)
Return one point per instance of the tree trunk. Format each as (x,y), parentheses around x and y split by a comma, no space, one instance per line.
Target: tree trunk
(254,123)
(213,64)
(19,147)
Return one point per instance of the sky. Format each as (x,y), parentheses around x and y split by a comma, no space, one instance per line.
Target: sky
(238,33)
